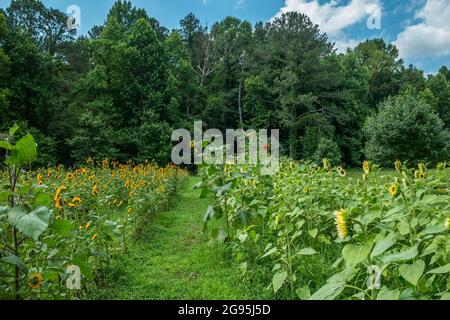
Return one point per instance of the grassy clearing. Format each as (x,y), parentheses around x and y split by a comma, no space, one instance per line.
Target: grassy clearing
(173,260)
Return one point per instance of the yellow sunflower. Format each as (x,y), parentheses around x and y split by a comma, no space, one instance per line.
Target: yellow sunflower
(393,190)
(94,237)
(341,221)
(366,167)
(35,280)
(94,190)
(75,202)
(326,164)
(341,171)
(398,165)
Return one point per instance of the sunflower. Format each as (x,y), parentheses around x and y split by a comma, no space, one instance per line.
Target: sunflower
(398,165)
(130,210)
(393,190)
(326,164)
(60,190)
(75,202)
(88,225)
(366,167)
(94,237)
(94,190)
(420,175)
(70,176)
(35,280)
(341,221)
(39,179)
(422,167)
(341,171)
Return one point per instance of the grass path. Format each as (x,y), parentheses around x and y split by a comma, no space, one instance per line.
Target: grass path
(173,260)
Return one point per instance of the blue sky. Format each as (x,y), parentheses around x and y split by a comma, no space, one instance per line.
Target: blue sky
(419,28)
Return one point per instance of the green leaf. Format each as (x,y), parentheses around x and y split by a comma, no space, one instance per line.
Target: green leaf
(82,262)
(278,280)
(443,269)
(313,233)
(13,129)
(224,189)
(209,214)
(6,145)
(307,252)
(42,200)
(63,227)
(383,244)
(386,294)
(412,272)
(354,254)
(15,260)
(23,152)
(406,255)
(270,252)
(330,291)
(303,293)
(32,224)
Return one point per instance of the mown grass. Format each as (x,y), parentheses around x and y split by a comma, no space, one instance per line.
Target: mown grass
(173,260)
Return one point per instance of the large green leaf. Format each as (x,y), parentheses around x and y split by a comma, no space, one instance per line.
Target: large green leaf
(63,227)
(355,254)
(32,224)
(330,291)
(443,269)
(406,255)
(23,152)
(412,272)
(383,244)
(15,260)
(278,280)
(386,294)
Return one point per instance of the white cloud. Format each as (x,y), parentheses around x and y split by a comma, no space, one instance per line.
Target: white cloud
(331,17)
(431,36)
(239,3)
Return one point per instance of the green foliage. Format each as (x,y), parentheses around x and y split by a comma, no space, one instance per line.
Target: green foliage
(327,149)
(383,237)
(406,128)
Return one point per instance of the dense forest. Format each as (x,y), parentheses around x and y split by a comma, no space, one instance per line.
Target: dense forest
(121,90)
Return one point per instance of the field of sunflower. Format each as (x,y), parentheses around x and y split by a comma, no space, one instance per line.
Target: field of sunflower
(60,227)
(313,232)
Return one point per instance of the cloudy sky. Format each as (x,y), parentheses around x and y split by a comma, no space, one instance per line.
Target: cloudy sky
(419,28)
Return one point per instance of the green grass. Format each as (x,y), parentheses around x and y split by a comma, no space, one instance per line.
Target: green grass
(173,260)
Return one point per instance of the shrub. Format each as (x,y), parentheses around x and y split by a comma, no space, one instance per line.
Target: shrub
(407,129)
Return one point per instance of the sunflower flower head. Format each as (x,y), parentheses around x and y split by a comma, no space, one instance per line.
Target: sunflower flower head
(35,280)
(366,167)
(95,190)
(326,164)
(341,219)
(398,165)
(393,189)
(341,171)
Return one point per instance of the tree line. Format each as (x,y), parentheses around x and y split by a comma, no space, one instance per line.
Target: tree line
(121,90)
